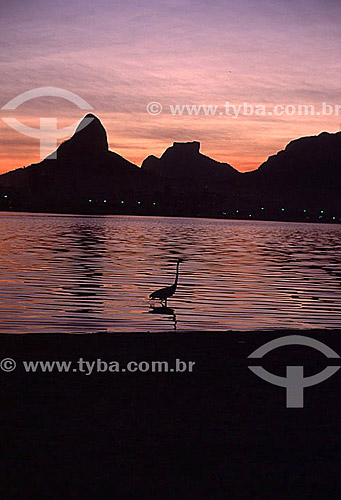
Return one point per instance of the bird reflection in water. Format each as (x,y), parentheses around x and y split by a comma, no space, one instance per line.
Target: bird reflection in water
(167,311)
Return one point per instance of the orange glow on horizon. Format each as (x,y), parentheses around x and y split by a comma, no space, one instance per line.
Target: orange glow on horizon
(244,150)
(262,53)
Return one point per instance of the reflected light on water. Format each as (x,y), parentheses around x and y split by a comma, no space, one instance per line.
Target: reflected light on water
(78,274)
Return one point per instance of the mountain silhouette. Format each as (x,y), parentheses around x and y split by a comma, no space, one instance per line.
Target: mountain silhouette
(81,169)
(307,173)
(302,182)
(308,160)
(184,161)
(88,141)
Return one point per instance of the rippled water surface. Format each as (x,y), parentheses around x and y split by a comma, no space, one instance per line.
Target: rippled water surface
(79,274)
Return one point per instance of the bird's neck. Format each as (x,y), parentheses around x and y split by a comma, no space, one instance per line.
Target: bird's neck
(177,274)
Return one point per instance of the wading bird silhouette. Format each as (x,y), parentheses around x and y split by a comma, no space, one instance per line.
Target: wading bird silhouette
(164,293)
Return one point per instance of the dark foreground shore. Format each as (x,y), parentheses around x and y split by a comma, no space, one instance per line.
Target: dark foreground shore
(216,432)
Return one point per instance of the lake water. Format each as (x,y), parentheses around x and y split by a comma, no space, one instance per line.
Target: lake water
(83,274)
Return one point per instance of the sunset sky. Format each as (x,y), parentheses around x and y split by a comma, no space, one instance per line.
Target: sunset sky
(121,55)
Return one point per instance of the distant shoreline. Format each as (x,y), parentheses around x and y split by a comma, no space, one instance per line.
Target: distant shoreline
(176,216)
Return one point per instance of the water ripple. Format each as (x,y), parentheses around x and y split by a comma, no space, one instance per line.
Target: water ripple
(79,274)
